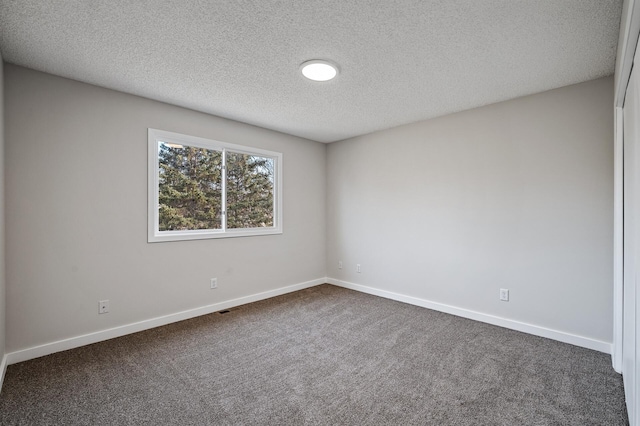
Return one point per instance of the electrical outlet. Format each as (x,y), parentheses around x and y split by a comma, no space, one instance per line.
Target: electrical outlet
(340,264)
(504,294)
(103,307)
(214,283)
(358,269)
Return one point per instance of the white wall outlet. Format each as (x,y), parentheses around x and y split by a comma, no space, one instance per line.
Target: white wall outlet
(103,307)
(339,264)
(504,294)
(214,283)
(358,268)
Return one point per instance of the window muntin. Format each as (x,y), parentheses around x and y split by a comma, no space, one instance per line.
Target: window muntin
(200,188)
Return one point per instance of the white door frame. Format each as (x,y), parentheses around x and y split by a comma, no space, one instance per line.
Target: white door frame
(618,312)
(627,42)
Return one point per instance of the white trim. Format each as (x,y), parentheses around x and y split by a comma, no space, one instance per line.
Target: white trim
(626,55)
(618,242)
(224,192)
(154,137)
(560,336)
(3,370)
(99,336)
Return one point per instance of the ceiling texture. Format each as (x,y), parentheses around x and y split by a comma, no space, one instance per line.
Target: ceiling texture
(400,61)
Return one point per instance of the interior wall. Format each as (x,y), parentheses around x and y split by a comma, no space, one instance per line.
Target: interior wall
(76,188)
(515,195)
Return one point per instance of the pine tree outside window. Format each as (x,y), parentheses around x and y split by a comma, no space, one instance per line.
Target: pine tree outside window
(201,188)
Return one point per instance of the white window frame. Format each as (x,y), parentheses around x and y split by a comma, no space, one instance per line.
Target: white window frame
(154,235)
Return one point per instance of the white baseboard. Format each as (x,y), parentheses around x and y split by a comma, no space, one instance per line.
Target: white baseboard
(99,336)
(561,336)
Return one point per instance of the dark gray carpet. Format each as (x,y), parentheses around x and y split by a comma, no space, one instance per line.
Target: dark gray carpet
(321,356)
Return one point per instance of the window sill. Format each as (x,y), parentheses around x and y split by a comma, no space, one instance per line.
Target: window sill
(158,237)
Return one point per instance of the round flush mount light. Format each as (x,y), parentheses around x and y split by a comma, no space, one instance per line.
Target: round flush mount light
(319,70)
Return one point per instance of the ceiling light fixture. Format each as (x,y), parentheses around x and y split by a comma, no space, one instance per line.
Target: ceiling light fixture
(319,70)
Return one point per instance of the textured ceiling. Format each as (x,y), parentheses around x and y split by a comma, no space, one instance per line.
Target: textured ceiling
(400,60)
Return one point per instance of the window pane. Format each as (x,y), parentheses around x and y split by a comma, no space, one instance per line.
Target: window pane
(249,191)
(190,188)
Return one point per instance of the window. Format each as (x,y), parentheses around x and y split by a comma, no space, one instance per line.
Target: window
(201,188)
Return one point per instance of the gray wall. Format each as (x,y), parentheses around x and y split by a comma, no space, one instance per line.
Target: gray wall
(514,195)
(76,188)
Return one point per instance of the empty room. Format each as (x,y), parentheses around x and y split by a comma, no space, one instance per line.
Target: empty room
(322,213)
